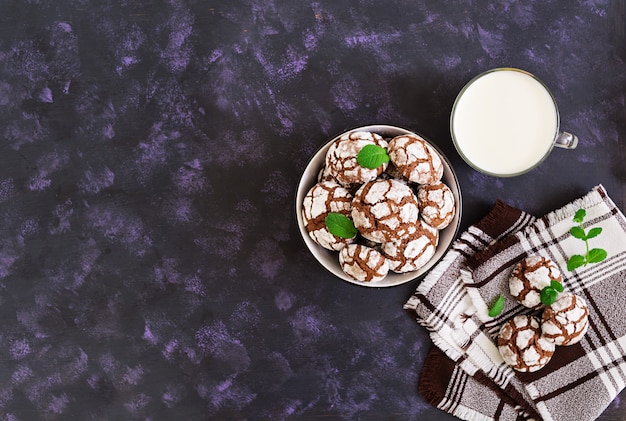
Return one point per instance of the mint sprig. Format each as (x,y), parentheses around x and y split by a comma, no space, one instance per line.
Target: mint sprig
(594,255)
(372,156)
(497,306)
(340,225)
(549,294)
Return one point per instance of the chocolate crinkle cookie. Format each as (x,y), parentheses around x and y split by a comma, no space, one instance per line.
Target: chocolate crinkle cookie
(565,321)
(415,159)
(414,251)
(363,263)
(392,172)
(325,175)
(385,210)
(341,159)
(436,204)
(529,277)
(320,200)
(522,345)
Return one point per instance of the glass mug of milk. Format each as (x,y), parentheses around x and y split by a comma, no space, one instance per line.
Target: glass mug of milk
(505,122)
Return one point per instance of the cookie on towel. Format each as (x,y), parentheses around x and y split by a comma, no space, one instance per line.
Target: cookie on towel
(566,320)
(529,277)
(522,346)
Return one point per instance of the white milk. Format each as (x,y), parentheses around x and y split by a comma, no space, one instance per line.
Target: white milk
(505,122)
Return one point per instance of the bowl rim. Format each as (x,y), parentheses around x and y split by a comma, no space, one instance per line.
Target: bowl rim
(392,279)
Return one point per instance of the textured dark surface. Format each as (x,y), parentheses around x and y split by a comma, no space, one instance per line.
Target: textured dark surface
(150,264)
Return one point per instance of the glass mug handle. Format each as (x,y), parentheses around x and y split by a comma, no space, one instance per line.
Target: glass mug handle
(566,140)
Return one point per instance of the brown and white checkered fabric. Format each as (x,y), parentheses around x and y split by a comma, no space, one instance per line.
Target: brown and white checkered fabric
(452,302)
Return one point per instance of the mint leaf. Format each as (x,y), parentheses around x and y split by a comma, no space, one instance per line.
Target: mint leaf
(591,256)
(497,306)
(596,255)
(579,216)
(372,156)
(578,232)
(594,232)
(557,285)
(340,225)
(575,261)
(548,295)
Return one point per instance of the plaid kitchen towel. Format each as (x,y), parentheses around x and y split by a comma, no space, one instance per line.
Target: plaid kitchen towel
(581,380)
(448,385)
(441,303)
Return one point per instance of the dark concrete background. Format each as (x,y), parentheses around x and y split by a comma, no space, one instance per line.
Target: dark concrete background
(150,264)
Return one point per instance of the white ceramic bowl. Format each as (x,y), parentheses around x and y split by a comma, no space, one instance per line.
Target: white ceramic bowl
(330,259)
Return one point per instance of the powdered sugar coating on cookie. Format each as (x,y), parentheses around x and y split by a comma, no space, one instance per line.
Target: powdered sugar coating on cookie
(385,210)
(565,321)
(392,172)
(529,277)
(436,204)
(363,263)
(417,160)
(522,346)
(321,199)
(325,175)
(341,158)
(414,251)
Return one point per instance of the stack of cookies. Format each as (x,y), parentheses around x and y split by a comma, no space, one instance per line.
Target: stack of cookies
(396,208)
(527,342)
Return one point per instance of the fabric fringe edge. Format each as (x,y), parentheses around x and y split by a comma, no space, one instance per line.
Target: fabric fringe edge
(469,414)
(594,197)
(437,272)
(448,349)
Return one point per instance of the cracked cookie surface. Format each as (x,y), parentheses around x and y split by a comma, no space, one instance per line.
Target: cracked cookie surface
(385,210)
(341,158)
(414,251)
(320,200)
(415,159)
(565,321)
(529,277)
(522,346)
(363,263)
(436,204)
